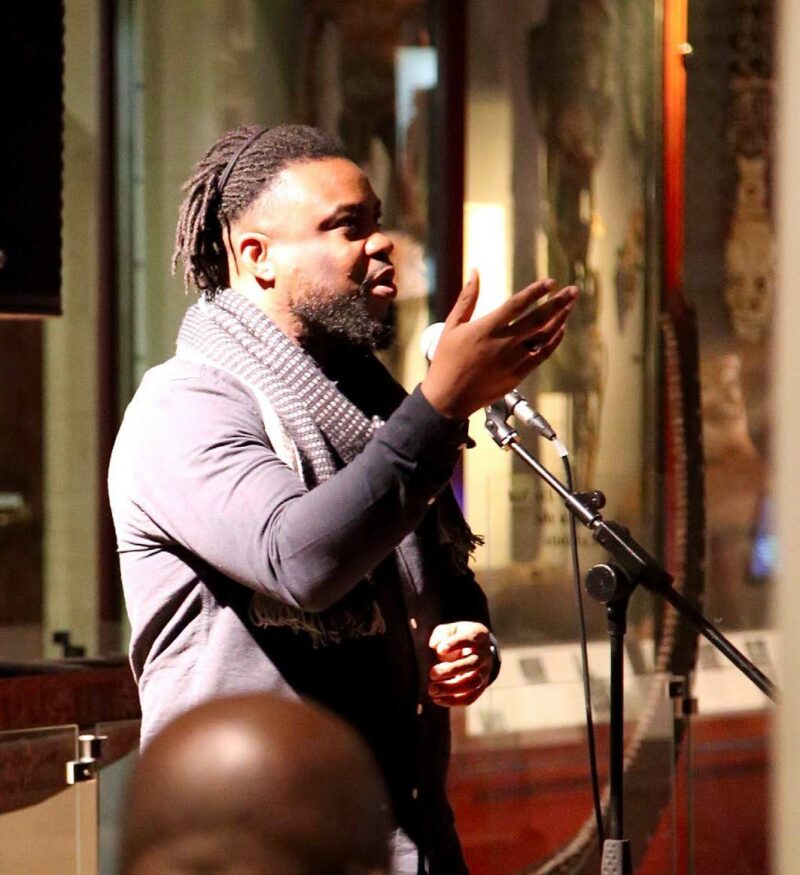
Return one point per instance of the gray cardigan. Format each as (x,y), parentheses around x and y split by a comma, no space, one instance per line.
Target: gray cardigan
(206,514)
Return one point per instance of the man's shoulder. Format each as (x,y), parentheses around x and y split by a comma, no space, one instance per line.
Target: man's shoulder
(179,383)
(179,401)
(179,371)
(180,410)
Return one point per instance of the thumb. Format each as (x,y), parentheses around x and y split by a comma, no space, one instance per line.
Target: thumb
(441,633)
(465,303)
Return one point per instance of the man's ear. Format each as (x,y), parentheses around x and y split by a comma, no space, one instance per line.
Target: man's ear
(253,255)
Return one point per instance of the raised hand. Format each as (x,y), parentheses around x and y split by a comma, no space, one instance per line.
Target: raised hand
(477,362)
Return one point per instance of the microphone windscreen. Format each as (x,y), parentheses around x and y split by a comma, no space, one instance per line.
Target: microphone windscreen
(429,339)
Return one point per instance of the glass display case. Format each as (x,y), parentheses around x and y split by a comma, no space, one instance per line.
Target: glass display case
(526,144)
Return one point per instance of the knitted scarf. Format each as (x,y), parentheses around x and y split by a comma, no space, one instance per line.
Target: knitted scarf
(312,426)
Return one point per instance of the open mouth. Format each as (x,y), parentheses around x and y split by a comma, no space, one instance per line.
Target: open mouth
(382,283)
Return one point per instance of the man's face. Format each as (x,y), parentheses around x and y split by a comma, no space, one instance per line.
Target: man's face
(333,273)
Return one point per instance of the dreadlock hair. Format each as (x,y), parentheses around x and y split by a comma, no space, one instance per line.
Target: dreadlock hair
(224,184)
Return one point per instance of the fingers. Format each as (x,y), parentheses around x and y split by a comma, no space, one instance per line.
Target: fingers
(462,682)
(464,306)
(446,670)
(542,334)
(462,699)
(449,637)
(525,298)
(541,317)
(479,360)
(540,346)
(465,685)
(535,341)
(541,353)
(443,635)
(536,330)
(519,313)
(465,663)
(463,689)
(460,685)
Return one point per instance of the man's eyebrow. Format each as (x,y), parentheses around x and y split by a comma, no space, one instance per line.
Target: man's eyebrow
(347,209)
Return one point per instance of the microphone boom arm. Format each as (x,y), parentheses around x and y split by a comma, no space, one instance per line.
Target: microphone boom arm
(634,560)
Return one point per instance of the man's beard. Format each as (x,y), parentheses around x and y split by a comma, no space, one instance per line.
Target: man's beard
(342,321)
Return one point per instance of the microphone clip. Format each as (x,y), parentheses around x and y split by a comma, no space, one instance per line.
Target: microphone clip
(517,405)
(497,426)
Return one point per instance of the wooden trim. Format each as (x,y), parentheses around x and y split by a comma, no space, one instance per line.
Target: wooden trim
(675,35)
(67,693)
(449,26)
(109,601)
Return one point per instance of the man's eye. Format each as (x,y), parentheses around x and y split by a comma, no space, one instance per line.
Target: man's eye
(349,223)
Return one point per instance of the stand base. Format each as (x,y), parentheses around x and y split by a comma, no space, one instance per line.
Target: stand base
(616,858)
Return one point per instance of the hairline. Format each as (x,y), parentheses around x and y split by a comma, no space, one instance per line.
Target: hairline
(262,200)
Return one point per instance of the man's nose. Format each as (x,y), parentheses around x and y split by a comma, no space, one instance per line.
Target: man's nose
(379,243)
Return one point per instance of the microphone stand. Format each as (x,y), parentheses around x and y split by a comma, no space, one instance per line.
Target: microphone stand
(613,584)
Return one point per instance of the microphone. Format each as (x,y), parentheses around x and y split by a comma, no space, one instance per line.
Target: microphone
(524,413)
(429,339)
(514,401)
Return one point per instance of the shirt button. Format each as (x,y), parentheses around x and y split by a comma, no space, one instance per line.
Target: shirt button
(431,500)
(414,793)
(419,708)
(413,623)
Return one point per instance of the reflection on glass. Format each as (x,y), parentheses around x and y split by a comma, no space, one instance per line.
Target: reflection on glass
(729,276)
(558,146)
(557,102)
(120,751)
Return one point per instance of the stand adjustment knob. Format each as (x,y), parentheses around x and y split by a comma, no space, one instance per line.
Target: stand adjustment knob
(594,500)
(607,583)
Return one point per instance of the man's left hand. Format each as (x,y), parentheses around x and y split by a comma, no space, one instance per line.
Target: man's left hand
(466,658)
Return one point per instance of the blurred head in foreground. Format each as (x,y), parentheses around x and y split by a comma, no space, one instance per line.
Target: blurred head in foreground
(256,785)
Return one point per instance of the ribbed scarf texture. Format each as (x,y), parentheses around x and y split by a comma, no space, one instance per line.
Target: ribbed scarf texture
(325,429)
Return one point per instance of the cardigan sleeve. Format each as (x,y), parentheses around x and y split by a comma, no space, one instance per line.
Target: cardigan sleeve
(192,470)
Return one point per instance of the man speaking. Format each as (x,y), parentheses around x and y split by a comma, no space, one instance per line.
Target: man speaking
(282,511)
